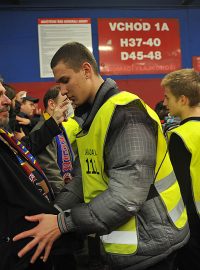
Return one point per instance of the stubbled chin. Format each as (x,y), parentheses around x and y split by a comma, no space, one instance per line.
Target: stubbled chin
(4,122)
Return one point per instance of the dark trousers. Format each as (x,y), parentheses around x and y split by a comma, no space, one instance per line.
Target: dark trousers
(55,263)
(188,257)
(166,264)
(40,265)
(62,262)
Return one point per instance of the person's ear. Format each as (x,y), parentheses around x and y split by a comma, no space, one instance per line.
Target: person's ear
(51,104)
(184,100)
(87,70)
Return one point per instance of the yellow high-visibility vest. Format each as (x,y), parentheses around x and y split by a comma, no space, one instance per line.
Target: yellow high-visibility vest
(72,128)
(189,132)
(124,240)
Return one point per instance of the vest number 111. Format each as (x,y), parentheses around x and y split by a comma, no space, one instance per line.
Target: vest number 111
(91,166)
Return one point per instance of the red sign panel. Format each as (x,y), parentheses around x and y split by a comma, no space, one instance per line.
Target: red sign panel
(196,63)
(138,46)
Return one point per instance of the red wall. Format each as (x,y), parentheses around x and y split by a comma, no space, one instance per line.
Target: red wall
(147,89)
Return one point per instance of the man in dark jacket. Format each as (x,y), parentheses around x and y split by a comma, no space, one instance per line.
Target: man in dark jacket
(57,158)
(24,190)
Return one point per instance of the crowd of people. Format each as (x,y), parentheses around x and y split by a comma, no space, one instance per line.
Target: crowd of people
(99,180)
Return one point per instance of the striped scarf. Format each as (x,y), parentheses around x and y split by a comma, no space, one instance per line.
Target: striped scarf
(28,163)
(65,154)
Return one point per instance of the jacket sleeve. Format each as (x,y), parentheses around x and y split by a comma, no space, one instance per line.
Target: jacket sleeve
(130,153)
(48,162)
(37,140)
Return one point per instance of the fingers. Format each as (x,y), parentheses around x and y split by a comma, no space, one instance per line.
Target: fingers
(29,233)
(59,114)
(43,245)
(39,250)
(18,118)
(64,103)
(28,247)
(47,252)
(45,233)
(23,121)
(34,218)
(23,235)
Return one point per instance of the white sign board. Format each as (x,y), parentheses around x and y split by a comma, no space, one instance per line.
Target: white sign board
(55,32)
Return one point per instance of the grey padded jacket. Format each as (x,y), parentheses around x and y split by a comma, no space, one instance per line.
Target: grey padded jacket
(129,156)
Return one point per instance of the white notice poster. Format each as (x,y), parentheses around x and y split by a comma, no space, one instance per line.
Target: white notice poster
(55,32)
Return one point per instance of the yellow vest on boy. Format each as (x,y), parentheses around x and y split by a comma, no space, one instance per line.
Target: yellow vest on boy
(189,132)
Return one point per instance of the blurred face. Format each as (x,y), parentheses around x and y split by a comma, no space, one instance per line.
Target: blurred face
(27,107)
(76,85)
(172,103)
(5,103)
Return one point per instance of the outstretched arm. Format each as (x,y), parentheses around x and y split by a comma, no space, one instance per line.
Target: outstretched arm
(39,138)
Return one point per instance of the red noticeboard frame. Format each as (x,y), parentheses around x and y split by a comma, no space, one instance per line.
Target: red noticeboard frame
(138,46)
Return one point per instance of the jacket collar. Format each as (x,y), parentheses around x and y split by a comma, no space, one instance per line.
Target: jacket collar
(87,112)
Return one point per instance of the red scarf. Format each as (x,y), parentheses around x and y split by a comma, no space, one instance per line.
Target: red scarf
(28,163)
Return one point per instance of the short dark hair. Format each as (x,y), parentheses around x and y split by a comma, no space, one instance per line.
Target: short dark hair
(74,54)
(52,93)
(184,82)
